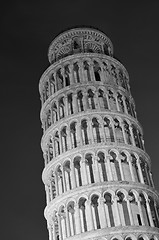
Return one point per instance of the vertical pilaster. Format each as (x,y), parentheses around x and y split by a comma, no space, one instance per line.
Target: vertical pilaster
(77,219)
(89,215)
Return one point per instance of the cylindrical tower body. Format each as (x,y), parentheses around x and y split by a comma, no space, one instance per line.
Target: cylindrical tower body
(97,174)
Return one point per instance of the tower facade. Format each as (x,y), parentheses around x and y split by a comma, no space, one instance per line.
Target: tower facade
(97,174)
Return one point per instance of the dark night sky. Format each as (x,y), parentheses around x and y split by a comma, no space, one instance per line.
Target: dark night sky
(27,28)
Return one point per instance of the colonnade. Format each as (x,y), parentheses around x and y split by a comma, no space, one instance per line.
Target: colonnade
(109,209)
(93,130)
(84,70)
(74,102)
(91,168)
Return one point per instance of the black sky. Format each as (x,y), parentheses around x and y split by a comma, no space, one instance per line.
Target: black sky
(27,28)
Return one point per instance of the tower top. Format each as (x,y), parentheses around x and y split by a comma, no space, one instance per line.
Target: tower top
(79,40)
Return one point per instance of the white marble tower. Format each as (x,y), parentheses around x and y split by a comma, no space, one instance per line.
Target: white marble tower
(97,175)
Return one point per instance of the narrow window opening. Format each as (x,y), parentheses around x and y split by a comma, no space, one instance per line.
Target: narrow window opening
(96,126)
(139,220)
(76,72)
(108,130)
(97,70)
(67,75)
(102,99)
(84,128)
(87,71)
(80,101)
(89,163)
(91,101)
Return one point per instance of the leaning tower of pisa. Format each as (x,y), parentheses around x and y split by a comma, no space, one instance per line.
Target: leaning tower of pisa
(97,174)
